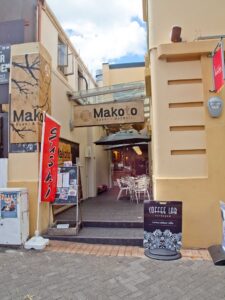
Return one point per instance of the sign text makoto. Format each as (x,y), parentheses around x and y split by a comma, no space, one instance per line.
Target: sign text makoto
(109,113)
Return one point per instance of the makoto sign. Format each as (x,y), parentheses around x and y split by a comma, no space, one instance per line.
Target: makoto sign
(109,113)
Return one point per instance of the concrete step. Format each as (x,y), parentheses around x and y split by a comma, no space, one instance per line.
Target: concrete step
(106,224)
(113,224)
(104,235)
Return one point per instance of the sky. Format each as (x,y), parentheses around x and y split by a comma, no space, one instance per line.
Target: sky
(103,31)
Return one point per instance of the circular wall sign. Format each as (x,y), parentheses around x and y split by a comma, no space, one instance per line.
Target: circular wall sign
(215,106)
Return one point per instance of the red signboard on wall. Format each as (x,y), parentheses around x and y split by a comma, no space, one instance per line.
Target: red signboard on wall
(218,67)
(49,159)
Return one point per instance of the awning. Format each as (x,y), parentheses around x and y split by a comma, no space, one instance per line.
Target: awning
(112,147)
(123,137)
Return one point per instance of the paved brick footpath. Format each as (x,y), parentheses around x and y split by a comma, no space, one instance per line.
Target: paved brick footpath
(78,271)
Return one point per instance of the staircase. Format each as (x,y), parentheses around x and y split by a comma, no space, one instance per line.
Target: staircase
(103,232)
(104,221)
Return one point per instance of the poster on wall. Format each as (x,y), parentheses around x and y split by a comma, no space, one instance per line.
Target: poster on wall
(163,225)
(8,202)
(65,153)
(67,186)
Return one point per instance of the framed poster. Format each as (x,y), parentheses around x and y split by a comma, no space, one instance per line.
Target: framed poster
(8,202)
(67,186)
(163,225)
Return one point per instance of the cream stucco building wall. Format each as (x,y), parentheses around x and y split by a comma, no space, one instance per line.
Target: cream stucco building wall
(188,144)
(24,167)
(197,18)
(122,73)
(85,137)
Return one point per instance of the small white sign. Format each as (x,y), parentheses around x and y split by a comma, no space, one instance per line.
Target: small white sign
(62,226)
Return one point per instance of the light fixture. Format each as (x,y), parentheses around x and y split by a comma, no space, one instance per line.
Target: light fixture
(215,106)
(176,34)
(137,149)
(116,153)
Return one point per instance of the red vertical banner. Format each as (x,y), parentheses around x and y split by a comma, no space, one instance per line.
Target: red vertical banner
(49,159)
(218,67)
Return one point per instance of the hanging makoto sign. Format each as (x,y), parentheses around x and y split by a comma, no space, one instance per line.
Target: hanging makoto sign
(109,113)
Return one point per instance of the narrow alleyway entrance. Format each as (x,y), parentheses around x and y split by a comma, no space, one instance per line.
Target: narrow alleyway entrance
(106,220)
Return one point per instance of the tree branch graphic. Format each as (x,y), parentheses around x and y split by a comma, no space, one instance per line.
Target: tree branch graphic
(22,86)
(25,86)
(31,85)
(46,99)
(18,131)
(29,68)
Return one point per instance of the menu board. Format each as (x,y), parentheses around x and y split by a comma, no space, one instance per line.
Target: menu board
(67,186)
(8,204)
(163,225)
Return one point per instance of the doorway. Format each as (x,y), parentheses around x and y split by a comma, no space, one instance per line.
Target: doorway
(129,161)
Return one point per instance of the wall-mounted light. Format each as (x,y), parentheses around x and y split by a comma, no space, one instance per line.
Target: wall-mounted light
(215,106)
(137,150)
(116,154)
(176,34)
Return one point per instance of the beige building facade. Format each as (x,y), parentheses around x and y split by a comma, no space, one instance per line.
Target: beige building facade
(44,69)
(187,143)
(122,73)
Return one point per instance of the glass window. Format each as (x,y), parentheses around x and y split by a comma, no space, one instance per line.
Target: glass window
(62,54)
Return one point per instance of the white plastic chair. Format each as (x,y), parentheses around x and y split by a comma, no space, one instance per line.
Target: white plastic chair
(140,188)
(123,186)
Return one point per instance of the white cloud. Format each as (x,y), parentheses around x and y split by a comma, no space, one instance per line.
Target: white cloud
(102,30)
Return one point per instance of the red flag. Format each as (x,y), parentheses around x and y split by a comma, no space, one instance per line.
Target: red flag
(49,159)
(218,68)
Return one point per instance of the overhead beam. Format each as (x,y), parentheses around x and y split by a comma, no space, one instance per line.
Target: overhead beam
(106,90)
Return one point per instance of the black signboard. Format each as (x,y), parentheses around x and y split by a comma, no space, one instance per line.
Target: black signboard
(67,186)
(24,148)
(4,63)
(163,225)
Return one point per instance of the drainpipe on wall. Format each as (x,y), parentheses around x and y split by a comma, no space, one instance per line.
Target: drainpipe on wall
(90,160)
(80,75)
(40,3)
